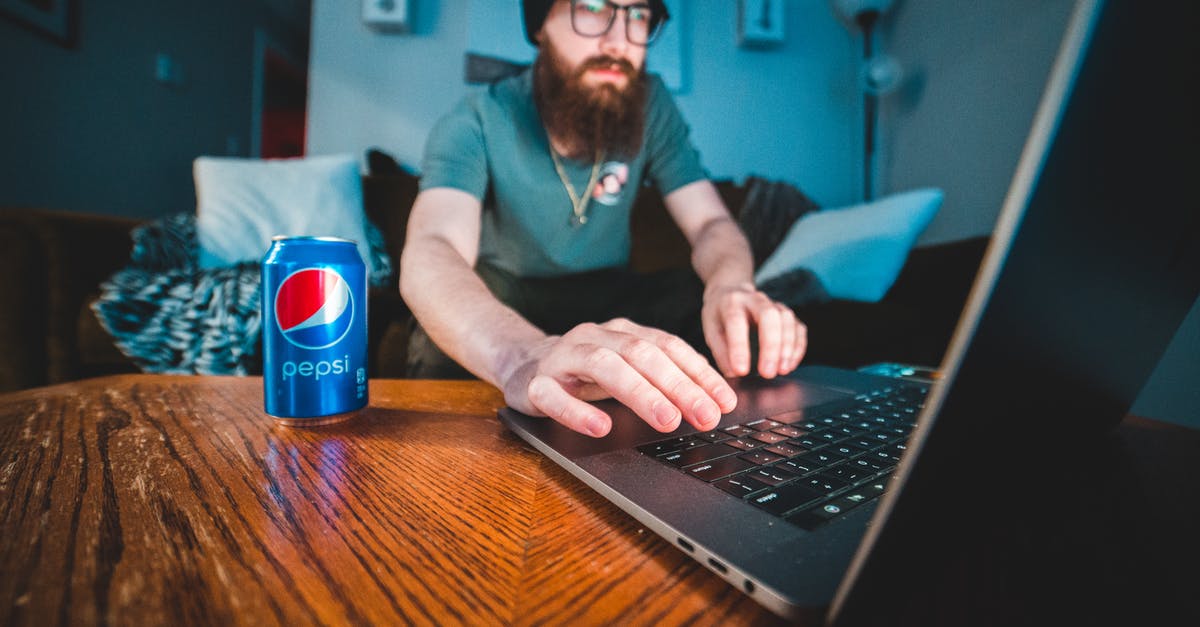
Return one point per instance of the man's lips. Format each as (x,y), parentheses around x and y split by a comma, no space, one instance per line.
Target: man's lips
(608,73)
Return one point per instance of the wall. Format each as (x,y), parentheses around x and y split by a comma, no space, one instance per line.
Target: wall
(787,112)
(88,129)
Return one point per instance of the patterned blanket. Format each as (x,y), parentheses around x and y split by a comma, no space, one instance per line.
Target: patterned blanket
(171,316)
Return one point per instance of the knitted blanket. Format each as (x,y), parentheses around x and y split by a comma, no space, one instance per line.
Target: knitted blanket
(170,316)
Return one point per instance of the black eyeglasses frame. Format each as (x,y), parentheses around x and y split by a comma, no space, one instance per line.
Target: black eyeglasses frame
(656,21)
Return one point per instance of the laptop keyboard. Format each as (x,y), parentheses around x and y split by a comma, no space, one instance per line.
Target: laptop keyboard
(808,466)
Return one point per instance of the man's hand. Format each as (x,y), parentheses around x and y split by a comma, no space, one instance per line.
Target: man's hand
(727,316)
(656,374)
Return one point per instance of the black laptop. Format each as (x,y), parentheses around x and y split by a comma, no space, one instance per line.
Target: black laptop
(810,492)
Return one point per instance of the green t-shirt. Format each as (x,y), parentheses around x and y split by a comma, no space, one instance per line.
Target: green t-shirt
(494,147)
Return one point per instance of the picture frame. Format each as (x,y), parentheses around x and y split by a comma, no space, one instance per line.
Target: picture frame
(54,19)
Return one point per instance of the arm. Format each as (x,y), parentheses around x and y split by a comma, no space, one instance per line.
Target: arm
(721,256)
(656,374)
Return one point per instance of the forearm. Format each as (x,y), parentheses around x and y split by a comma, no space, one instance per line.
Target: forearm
(460,314)
(721,255)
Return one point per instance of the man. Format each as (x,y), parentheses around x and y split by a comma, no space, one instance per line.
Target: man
(517,243)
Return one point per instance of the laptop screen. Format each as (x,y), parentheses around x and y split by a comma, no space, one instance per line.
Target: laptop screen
(1094,264)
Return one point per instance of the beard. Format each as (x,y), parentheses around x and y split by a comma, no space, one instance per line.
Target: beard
(590,120)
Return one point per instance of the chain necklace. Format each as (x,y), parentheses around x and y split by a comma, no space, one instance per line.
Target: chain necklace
(578,203)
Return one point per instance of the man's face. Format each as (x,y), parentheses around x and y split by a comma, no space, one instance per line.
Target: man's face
(595,57)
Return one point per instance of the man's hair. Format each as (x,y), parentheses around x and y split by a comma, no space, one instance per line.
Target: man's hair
(535,12)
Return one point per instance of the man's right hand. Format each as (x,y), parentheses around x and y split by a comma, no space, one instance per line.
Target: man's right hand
(656,374)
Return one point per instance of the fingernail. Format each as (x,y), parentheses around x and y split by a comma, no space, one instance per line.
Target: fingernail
(706,413)
(597,426)
(725,397)
(665,414)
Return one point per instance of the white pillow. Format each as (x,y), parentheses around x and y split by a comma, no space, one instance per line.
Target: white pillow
(857,252)
(242,203)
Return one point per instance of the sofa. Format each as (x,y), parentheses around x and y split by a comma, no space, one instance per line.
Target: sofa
(56,261)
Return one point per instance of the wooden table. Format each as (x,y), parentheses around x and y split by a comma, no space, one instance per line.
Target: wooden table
(152,500)
(147,499)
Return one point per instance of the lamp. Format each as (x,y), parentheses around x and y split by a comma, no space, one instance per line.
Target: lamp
(878,75)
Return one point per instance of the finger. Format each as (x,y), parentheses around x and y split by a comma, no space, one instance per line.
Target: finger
(550,398)
(611,371)
(801,345)
(787,338)
(714,335)
(647,353)
(673,367)
(737,337)
(768,321)
(698,370)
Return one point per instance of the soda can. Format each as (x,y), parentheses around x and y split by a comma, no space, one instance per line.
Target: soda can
(314,303)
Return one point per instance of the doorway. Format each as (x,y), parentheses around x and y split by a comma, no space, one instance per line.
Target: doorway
(280,98)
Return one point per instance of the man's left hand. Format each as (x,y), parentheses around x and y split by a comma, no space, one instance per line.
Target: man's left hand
(729,313)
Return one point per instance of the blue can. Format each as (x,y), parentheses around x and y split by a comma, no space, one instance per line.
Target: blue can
(314,293)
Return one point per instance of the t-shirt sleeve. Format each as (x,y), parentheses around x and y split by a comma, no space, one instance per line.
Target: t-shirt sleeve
(671,159)
(455,155)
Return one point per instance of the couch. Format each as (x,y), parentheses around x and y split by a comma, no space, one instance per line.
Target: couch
(55,262)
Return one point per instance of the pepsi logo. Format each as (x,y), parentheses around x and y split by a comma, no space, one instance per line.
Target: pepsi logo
(314,308)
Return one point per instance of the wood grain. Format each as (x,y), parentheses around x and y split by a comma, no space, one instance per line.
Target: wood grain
(146,499)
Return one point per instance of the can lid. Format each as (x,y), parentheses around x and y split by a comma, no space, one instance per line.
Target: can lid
(318,238)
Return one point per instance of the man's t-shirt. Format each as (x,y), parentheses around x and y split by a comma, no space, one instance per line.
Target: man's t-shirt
(494,147)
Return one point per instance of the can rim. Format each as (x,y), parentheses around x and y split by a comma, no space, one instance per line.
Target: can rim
(319,238)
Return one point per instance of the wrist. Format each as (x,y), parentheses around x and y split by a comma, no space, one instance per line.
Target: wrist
(736,284)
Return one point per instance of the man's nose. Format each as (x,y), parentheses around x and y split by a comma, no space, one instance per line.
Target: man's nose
(615,41)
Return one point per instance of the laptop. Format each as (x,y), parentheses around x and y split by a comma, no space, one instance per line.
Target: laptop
(823,487)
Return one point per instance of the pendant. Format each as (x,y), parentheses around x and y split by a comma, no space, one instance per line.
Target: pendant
(578,221)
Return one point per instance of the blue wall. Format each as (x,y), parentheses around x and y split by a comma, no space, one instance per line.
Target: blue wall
(89,129)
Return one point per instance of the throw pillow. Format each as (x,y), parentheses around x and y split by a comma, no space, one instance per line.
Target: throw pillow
(242,203)
(856,252)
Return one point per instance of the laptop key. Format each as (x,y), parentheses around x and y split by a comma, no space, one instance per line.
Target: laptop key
(786,450)
(697,455)
(769,437)
(771,475)
(849,473)
(718,468)
(824,484)
(740,486)
(785,498)
(738,431)
(789,431)
(799,466)
(760,458)
(822,457)
(662,446)
(744,444)
(713,436)
(763,424)
(807,441)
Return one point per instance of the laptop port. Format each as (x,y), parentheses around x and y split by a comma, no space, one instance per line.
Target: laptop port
(687,546)
(748,586)
(718,566)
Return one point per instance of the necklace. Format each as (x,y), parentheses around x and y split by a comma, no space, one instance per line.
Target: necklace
(578,203)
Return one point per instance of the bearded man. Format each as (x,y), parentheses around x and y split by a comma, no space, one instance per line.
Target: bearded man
(516,259)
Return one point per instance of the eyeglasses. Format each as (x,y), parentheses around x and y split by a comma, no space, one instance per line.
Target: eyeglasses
(594,18)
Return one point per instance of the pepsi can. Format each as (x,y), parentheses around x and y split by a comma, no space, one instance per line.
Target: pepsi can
(314,293)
